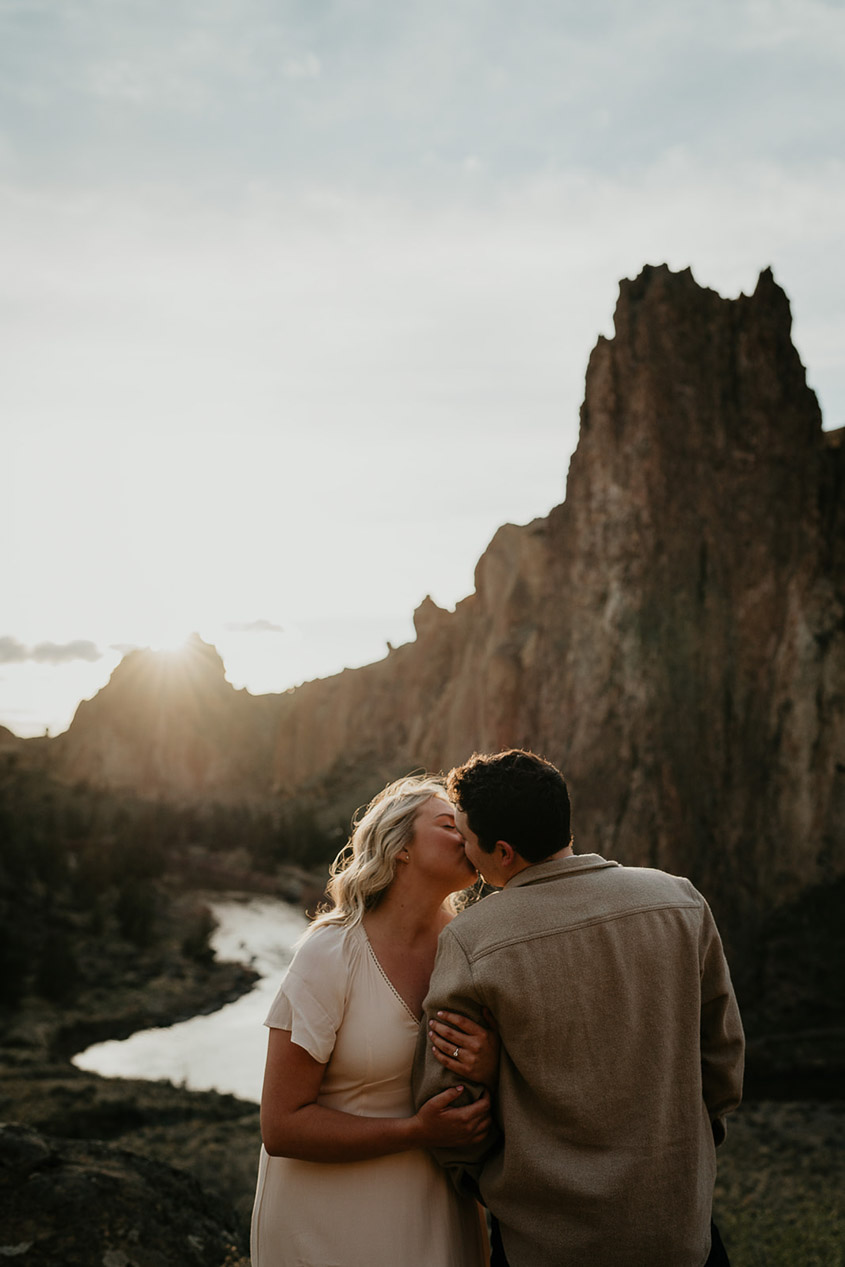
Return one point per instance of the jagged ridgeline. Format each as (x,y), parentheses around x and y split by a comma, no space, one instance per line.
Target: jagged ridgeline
(672,635)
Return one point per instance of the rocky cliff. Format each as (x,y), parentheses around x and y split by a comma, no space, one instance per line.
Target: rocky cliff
(673,635)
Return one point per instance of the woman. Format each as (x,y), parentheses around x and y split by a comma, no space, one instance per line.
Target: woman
(344,1178)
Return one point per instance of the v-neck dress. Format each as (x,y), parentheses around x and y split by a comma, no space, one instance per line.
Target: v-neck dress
(394,1211)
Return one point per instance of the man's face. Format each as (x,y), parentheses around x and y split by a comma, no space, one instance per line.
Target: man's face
(485,863)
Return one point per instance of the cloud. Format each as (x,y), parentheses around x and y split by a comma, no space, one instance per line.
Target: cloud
(254,626)
(60,653)
(12,651)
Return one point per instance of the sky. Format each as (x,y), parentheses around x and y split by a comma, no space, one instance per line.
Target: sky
(296,298)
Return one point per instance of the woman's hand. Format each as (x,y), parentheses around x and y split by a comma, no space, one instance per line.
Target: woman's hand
(469,1050)
(293,1124)
(442,1126)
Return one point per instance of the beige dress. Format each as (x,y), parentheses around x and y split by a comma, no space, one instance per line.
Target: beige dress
(395,1211)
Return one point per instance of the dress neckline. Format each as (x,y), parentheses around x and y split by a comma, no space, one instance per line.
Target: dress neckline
(416,1019)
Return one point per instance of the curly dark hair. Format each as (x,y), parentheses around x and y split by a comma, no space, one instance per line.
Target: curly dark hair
(514,796)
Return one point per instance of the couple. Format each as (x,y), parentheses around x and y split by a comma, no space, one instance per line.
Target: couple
(621,1047)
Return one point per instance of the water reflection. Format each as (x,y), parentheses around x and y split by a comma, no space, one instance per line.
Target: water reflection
(224,1051)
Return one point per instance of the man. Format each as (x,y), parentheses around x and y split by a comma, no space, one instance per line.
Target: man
(622,1047)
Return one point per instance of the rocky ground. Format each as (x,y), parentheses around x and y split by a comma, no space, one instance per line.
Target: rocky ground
(72,1203)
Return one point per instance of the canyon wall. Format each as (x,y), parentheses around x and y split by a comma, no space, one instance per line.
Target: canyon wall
(672,635)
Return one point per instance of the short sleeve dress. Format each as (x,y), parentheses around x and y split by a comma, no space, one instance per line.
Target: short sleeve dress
(394,1211)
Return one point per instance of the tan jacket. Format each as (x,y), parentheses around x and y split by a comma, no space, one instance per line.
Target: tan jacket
(622,1050)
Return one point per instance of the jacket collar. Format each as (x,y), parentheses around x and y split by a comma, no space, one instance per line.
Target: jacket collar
(540,872)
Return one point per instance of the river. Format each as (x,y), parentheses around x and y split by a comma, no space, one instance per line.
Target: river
(223,1051)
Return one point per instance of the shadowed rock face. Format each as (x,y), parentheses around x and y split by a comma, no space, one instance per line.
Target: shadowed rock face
(698,703)
(79,1203)
(673,635)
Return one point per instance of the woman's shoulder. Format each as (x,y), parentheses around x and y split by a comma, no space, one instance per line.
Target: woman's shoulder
(328,945)
(313,995)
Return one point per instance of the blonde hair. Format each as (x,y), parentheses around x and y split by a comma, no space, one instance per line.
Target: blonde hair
(364,869)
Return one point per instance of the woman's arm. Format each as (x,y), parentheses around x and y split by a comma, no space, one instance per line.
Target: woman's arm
(294,1125)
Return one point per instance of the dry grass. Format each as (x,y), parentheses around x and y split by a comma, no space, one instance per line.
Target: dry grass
(780,1194)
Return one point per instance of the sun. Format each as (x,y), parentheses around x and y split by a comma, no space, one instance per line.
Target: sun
(173,642)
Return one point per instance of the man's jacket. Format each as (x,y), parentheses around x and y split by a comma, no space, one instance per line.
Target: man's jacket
(622,1051)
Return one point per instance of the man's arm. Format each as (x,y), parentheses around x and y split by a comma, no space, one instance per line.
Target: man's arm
(452,989)
(722,1039)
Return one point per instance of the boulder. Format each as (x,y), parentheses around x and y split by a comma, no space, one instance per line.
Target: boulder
(88,1204)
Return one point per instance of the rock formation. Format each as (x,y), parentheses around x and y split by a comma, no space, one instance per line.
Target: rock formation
(169,725)
(673,635)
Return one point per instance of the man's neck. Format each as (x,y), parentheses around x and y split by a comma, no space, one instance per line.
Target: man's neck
(522,864)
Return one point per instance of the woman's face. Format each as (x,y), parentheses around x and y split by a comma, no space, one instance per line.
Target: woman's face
(437,847)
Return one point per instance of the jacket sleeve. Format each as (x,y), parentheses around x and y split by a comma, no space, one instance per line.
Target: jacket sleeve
(451,987)
(722,1039)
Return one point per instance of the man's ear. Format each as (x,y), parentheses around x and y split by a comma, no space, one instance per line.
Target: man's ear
(506,854)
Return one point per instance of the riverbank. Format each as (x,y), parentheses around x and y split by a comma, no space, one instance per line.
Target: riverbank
(224,1050)
(189,1157)
(213,1137)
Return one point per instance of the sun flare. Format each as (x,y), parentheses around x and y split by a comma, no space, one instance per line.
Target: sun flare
(170,642)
